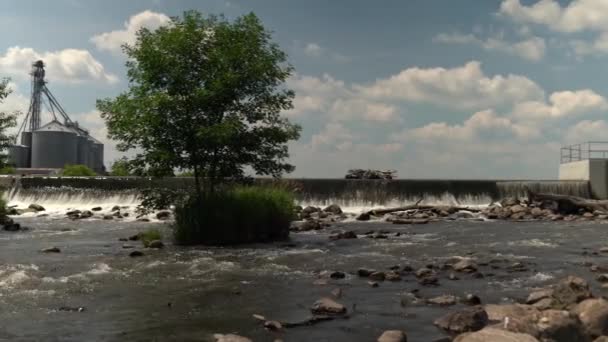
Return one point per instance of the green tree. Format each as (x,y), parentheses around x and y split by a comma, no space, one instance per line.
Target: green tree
(7,120)
(77,171)
(120,168)
(205,95)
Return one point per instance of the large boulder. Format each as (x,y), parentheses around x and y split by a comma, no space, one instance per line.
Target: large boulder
(36,207)
(393,336)
(593,313)
(495,335)
(560,326)
(516,318)
(569,292)
(163,215)
(327,306)
(333,209)
(306,226)
(466,320)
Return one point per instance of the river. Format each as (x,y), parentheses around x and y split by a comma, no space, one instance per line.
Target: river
(188,294)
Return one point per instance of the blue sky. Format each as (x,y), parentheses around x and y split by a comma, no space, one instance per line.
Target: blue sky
(431,88)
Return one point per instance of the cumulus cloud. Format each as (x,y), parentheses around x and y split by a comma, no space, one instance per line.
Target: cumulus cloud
(313,49)
(335,99)
(576,16)
(113,41)
(482,125)
(465,87)
(531,48)
(562,104)
(587,130)
(68,65)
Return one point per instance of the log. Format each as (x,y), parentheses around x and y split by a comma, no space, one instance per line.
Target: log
(569,204)
(380,212)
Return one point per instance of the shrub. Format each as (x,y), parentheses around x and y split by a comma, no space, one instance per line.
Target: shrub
(149,236)
(77,170)
(8,170)
(237,215)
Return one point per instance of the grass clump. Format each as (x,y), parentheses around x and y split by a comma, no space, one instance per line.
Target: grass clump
(8,170)
(77,171)
(150,235)
(236,215)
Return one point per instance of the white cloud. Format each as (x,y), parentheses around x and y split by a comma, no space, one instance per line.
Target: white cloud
(465,87)
(68,65)
(587,130)
(333,98)
(577,16)
(483,125)
(113,41)
(313,50)
(531,48)
(562,104)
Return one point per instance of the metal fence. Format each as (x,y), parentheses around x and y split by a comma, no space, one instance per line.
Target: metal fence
(584,151)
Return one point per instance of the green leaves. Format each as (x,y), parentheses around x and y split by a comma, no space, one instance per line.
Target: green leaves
(205,95)
(7,120)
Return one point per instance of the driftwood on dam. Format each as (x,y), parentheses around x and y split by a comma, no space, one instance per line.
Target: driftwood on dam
(416,206)
(569,204)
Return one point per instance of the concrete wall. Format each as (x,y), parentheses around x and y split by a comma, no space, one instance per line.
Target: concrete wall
(595,171)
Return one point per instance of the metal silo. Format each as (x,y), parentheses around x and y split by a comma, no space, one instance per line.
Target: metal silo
(18,155)
(96,155)
(26,140)
(91,153)
(53,146)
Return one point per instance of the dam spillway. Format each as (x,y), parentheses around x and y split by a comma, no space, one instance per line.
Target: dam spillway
(353,194)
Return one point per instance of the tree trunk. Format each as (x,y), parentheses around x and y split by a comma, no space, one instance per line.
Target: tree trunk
(380,212)
(570,204)
(197,182)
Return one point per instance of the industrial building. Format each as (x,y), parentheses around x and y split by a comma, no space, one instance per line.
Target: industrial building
(57,143)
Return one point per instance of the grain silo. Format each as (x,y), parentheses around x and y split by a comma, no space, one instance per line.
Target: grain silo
(54,145)
(18,156)
(59,142)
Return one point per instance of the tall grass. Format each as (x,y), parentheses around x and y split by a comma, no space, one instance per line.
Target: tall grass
(235,215)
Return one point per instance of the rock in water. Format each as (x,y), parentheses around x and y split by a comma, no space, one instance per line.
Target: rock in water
(156,244)
(36,207)
(108,217)
(163,215)
(115,208)
(465,265)
(86,214)
(12,227)
(51,250)
(230,338)
(363,217)
(135,254)
(96,209)
(327,306)
(466,320)
(393,336)
(333,209)
(445,300)
(495,335)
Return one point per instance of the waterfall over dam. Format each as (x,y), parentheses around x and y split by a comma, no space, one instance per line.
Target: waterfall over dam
(353,194)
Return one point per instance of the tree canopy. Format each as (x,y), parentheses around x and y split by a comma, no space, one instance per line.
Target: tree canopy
(7,120)
(205,95)
(120,168)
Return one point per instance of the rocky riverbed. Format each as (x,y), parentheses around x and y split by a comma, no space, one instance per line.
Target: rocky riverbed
(379,279)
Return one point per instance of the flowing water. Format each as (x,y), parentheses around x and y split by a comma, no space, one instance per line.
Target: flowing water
(188,293)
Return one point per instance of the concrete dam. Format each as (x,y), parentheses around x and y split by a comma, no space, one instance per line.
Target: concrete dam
(353,194)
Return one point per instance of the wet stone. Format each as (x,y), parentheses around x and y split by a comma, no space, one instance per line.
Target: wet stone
(327,306)
(337,275)
(51,250)
(466,320)
(445,300)
(377,276)
(393,336)
(135,254)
